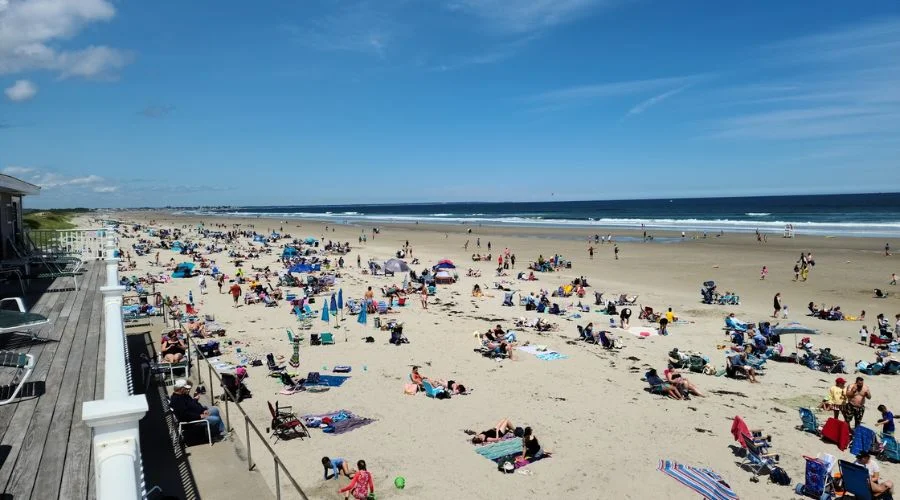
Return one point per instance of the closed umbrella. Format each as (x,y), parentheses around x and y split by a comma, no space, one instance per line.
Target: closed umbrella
(325,316)
(334,307)
(341,302)
(361,319)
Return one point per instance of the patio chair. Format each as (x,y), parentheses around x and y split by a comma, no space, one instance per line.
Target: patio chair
(890,449)
(326,338)
(24,365)
(20,319)
(431,391)
(192,423)
(285,424)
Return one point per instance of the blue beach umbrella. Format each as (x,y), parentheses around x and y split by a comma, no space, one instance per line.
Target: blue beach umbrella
(362,315)
(325,316)
(334,306)
(341,298)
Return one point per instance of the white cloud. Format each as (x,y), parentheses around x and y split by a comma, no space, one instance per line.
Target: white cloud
(22,90)
(106,189)
(363,26)
(31,32)
(653,101)
(522,16)
(15,171)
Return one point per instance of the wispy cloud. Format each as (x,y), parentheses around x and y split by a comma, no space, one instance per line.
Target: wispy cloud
(52,180)
(361,26)
(842,83)
(523,16)
(492,55)
(22,90)
(17,171)
(157,110)
(653,101)
(580,94)
(106,189)
(33,31)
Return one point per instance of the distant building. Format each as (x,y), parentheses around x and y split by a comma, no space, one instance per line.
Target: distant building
(11,228)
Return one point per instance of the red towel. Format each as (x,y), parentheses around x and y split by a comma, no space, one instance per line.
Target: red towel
(739,429)
(837,431)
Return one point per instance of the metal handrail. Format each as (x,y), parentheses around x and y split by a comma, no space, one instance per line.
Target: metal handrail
(248,423)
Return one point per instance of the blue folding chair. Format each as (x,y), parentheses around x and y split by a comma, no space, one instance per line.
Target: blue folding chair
(855,478)
(890,450)
(756,459)
(808,421)
(864,439)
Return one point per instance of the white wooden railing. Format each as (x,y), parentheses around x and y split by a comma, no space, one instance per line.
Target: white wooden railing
(115,419)
(86,243)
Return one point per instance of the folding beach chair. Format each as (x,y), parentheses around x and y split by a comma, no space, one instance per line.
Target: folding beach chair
(430,390)
(20,319)
(756,459)
(192,423)
(890,450)
(808,422)
(285,424)
(855,478)
(326,338)
(24,365)
(864,439)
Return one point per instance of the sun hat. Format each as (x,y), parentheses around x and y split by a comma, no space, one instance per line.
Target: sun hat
(182,384)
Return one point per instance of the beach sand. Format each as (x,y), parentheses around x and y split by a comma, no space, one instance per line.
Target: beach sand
(591,410)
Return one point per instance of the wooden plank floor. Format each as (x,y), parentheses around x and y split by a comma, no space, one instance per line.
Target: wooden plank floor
(45,448)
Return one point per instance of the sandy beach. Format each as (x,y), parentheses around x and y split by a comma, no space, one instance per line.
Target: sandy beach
(605,432)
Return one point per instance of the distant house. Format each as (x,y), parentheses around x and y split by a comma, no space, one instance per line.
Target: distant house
(11,229)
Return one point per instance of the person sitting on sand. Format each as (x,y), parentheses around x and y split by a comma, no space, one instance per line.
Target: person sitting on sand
(670,390)
(416,377)
(502,428)
(733,323)
(531,448)
(476,291)
(450,386)
(336,466)
(684,385)
(361,486)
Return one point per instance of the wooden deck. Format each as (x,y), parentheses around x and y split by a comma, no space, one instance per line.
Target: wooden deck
(45,450)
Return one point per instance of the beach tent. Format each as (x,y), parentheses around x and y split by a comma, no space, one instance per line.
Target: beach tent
(289,252)
(396,266)
(305,268)
(310,241)
(176,246)
(445,264)
(183,270)
(259,238)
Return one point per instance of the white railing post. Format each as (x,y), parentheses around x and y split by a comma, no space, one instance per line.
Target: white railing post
(115,418)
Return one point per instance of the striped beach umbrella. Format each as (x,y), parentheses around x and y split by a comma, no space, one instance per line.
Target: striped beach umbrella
(705,482)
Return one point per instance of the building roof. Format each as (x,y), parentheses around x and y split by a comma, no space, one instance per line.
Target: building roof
(9,184)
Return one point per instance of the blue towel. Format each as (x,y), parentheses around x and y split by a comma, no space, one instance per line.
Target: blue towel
(331,380)
(863,440)
(500,449)
(550,356)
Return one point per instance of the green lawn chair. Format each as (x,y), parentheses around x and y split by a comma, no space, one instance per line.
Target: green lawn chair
(19,320)
(326,338)
(24,364)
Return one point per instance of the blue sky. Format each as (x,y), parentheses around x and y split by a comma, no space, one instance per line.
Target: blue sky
(171,102)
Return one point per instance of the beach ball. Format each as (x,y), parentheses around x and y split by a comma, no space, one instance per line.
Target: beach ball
(399,482)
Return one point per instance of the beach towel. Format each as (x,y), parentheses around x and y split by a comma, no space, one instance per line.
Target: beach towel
(643,331)
(329,380)
(863,440)
(838,432)
(739,429)
(542,352)
(336,422)
(500,449)
(707,483)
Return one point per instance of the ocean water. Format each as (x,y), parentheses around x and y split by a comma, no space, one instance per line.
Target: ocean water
(858,215)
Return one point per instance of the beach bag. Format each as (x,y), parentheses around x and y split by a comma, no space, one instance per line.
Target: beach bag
(410,389)
(779,476)
(506,466)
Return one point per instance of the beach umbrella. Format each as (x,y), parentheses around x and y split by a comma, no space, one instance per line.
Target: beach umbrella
(704,481)
(341,302)
(334,307)
(396,266)
(325,316)
(795,328)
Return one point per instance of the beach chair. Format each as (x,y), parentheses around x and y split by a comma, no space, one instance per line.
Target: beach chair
(890,450)
(192,423)
(326,338)
(818,482)
(430,391)
(19,319)
(756,459)
(808,422)
(382,307)
(24,365)
(285,424)
(864,439)
(508,299)
(855,478)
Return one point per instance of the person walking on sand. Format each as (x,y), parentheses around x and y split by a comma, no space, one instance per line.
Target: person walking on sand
(796,272)
(887,249)
(616,251)
(221,282)
(764,273)
(591,252)
(894,279)
(202,284)
(466,246)
(358,260)
(235,293)
(776,303)
(424,297)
